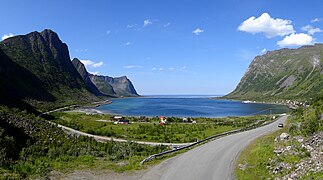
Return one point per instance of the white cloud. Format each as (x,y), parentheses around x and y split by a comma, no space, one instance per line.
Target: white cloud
(316,20)
(108,32)
(264,51)
(81,50)
(171,68)
(132,66)
(311,30)
(89,63)
(269,26)
(160,69)
(297,39)
(97,64)
(127,44)
(95,73)
(184,67)
(129,26)
(197,31)
(147,22)
(166,25)
(5,36)
(154,69)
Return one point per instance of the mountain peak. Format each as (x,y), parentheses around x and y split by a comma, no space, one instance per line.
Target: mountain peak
(49,35)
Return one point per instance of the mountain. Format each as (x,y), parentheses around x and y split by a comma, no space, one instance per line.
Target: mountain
(18,84)
(283,74)
(85,75)
(116,87)
(38,67)
(122,86)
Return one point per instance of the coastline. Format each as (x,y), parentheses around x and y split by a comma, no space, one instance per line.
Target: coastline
(291,104)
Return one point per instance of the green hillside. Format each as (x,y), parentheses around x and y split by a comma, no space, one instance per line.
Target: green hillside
(295,74)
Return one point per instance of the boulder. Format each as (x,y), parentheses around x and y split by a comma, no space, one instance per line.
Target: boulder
(284,136)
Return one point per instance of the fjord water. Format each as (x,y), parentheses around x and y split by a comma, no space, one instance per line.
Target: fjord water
(187,106)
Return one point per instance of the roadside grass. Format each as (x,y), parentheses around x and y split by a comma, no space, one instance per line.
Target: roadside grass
(254,158)
(175,132)
(258,159)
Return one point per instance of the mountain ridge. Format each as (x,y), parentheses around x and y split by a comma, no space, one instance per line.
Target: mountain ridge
(283,74)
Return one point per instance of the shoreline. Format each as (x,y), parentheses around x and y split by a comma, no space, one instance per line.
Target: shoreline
(291,104)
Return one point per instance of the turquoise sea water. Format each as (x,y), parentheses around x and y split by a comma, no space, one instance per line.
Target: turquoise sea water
(187,106)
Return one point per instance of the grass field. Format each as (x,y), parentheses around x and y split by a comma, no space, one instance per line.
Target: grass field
(173,132)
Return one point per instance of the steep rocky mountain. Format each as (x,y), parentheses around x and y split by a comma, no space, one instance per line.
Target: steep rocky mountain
(122,86)
(38,67)
(117,87)
(283,74)
(85,75)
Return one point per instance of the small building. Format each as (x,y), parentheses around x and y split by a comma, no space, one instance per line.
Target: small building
(124,121)
(162,122)
(118,118)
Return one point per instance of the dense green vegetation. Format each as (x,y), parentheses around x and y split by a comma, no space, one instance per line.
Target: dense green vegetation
(256,160)
(307,121)
(294,74)
(31,146)
(174,131)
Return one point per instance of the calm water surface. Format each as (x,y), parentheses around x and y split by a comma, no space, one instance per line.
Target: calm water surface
(187,106)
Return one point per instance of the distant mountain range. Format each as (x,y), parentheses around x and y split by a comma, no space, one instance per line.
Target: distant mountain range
(295,74)
(36,72)
(115,87)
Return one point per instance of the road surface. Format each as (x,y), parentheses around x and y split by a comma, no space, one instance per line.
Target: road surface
(214,160)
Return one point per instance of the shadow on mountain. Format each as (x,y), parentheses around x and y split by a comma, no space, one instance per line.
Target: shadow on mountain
(18,85)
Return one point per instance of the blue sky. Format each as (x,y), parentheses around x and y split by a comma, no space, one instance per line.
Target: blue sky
(168,47)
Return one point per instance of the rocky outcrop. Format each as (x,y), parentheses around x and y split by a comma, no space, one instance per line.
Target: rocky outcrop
(116,87)
(283,74)
(309,151)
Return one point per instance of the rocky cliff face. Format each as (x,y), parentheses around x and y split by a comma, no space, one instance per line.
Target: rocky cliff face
(116,87)
(122,86)
(85,75)
(46,58)
(283,74)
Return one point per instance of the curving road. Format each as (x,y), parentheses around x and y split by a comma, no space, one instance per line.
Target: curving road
(214,160)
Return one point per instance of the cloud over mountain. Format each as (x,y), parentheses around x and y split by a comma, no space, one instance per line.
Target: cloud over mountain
(267,25)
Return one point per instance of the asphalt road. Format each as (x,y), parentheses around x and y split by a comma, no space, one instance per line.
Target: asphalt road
(213,160)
